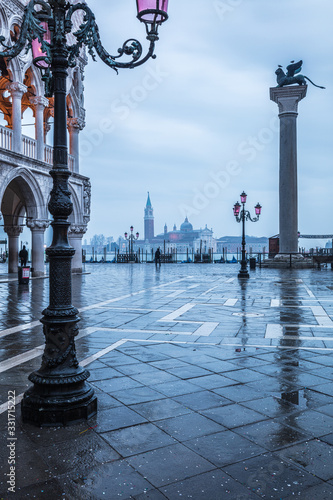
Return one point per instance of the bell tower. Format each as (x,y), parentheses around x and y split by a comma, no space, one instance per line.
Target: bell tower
(149,220)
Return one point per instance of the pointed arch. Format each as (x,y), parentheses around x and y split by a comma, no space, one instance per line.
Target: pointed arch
(31,194)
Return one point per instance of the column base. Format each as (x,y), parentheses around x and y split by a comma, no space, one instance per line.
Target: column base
(36,274)
(285,257)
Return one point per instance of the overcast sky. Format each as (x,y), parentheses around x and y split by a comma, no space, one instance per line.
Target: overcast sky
(195,127)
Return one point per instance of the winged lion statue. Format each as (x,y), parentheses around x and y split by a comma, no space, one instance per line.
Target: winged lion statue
(292,75)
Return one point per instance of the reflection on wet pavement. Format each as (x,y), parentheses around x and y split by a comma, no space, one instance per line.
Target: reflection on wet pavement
(208,387)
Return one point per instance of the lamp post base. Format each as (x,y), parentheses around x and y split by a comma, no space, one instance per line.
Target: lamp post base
(52,402)
(243,274)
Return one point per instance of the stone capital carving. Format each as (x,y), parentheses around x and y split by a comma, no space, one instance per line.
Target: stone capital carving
(37,225)
(17,89)
(39,101)
(287,98)
(77,230)
(75,124)
(13,231)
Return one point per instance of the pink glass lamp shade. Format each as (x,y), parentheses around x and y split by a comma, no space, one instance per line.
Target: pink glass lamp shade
(38,55)
(152,11)
(131,228)
(137,235)
(236,209)
(125,235)
(243,197)
(258,209)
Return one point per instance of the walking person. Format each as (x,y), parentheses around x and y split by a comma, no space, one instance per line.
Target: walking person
(158,257)
(23,255)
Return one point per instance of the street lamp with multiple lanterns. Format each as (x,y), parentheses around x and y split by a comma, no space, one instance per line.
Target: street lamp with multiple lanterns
(131,238)
(241,216)
(60,393)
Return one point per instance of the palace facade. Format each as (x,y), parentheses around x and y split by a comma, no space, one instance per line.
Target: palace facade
(25,162)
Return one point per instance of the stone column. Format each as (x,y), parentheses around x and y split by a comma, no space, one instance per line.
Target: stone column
(37,247)
(74,126)
(13,233)
(17,90)
(75,235)
(39,103)
(287,99)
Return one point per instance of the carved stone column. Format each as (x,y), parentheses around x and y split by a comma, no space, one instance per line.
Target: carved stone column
(38,228)
(13,246)
(74,126)
(39,103)
(17,90)
(75,235)
(287,99)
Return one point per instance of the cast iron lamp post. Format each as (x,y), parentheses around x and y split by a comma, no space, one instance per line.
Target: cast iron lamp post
(242,216)
(60,393)
(131,238)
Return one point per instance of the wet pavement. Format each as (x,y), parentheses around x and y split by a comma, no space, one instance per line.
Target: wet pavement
(208,388)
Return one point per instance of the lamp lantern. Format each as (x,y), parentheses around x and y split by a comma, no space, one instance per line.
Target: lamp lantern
(152,12)
(243,197)
(258,209)
(236,209)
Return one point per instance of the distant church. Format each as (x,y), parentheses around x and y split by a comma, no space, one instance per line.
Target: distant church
(183,239)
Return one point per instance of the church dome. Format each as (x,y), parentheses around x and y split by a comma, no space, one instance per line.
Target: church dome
(186,226)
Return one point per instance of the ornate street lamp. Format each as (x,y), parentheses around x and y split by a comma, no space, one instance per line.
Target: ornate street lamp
(131,238)
(60,393)
(242,216)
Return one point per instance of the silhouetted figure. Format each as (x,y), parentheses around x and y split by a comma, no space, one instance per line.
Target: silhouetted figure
(23,255)
(158,257)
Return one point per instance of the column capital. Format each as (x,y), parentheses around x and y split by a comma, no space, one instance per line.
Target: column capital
(37,225)
(13,231)
(39,101)
(75,124)
(77,230)
(287,98)
(17,88)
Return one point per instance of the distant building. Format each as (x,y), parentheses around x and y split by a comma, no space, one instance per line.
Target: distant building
(183,239)
(149,220)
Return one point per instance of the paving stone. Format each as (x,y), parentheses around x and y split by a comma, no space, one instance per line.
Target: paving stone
(176,388)
(323,491)
(224,448)
(271,406)
(111,480)
(138,395)
(215,485)
(188,426)
(138,439)
(271,434)
(116,418)
(233,415)
(150,495)
(314,456)
(270,477)
(238,393)
(310,421)
(116,384)
(161,409)
(213,381)
(170,464)
(202,400)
